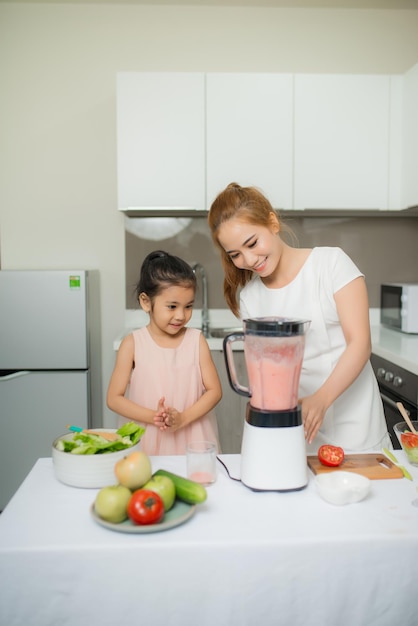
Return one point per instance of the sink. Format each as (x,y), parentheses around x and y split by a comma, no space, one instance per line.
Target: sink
(220,333)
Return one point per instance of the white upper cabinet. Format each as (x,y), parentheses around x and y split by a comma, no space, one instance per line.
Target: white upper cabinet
(410,138)
(161,140)
(342,130)
(308,141)
(249,134)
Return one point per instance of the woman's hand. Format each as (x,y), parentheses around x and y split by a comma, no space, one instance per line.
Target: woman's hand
(313,412)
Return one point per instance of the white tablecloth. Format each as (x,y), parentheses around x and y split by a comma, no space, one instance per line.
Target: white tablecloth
(244,558)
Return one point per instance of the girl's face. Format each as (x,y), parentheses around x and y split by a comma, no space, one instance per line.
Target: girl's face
(171,310)
(251,246)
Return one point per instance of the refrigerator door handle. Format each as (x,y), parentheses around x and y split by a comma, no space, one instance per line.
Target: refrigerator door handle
(13,375)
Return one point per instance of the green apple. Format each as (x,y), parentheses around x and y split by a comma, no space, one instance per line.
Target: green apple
(112,502)
(165,488)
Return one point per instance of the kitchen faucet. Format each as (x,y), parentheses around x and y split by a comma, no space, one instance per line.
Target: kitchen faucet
(198,268)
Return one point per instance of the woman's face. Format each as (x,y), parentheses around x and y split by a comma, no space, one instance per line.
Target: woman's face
(251,246)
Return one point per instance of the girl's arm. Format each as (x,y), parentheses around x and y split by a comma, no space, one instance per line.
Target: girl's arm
(210,397)
(353,312)
(118,383)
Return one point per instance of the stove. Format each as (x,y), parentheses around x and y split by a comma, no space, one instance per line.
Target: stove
(396,385)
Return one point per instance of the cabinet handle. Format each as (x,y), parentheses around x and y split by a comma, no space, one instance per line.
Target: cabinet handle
(12,375)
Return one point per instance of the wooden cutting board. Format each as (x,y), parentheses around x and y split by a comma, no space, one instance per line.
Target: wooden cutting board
(374,466)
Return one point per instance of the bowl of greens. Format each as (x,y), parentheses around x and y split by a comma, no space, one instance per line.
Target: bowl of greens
(83,459)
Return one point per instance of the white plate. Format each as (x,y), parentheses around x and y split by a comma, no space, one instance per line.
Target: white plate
(178,514)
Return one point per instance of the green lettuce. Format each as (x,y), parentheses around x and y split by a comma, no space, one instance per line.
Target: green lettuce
(132,430)
(86,443)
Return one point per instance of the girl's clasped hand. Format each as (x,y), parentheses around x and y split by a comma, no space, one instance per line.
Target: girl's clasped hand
(167,417)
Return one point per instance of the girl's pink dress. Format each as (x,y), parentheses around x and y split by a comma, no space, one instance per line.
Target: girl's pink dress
(172,373)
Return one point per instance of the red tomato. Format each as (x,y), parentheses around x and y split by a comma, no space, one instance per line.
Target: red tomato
(145,507)
(331,456)
(409,440)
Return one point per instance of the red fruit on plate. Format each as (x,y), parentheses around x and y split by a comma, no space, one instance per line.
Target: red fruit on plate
(145,507)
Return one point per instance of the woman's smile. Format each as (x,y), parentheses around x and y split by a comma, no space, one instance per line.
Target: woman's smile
(260,266)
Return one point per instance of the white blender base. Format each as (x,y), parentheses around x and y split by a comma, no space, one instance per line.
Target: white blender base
(274,459)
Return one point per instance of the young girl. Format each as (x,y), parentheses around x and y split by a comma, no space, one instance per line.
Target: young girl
(173,383)
(338,391)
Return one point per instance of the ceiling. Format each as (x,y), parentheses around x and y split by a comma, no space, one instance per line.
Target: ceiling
(306,4)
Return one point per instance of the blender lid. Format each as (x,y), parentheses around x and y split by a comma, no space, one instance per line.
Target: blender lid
(277,326)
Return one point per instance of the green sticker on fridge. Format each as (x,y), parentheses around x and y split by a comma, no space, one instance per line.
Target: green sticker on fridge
(75,282)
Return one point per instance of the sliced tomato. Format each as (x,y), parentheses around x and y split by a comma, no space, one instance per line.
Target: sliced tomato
(409,440)
(331,456)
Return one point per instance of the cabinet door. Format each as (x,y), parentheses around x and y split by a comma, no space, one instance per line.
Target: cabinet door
(410,138)
(230,411)
(341,141)
(395,201)
(160,140)
(250,134)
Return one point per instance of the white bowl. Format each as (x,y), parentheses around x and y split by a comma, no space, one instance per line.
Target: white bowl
(341,487)
(92,471)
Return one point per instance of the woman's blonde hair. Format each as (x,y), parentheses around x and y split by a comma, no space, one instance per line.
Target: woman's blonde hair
(250,205)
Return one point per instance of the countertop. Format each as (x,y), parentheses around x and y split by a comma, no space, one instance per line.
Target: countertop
(399,348)
(218,318)
(244,557)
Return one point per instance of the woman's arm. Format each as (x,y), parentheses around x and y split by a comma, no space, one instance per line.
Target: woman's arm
(353,311)
(209,399)
(118,384)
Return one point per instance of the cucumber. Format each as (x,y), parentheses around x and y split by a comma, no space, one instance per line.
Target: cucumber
(187,490)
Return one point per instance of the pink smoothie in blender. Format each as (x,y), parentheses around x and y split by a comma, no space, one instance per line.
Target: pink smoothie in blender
(273,366)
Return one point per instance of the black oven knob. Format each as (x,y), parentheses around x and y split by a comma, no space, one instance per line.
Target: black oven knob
(389,377)
(381,372)
(397,381)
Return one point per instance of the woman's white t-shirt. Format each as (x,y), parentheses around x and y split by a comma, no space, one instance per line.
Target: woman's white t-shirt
(355,420)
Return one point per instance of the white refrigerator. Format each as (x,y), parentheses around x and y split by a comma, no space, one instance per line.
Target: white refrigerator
(49,364)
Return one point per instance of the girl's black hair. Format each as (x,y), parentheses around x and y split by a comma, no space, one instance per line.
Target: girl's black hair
(161,269)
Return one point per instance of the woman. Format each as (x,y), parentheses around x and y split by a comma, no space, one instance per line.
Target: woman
(338,391)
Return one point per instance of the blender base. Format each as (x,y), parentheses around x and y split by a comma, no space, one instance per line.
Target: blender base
(274,459)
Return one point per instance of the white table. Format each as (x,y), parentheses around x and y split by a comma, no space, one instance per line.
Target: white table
(244,558)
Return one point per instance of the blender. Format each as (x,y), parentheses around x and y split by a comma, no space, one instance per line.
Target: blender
(273,452)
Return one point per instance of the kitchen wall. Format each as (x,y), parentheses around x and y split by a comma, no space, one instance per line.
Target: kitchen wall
(384,248)
(58,65)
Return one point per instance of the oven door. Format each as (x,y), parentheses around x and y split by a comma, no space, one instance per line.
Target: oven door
(391,306)
(392,413)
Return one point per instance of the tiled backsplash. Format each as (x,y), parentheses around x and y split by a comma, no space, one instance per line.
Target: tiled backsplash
(384,248)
